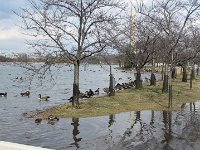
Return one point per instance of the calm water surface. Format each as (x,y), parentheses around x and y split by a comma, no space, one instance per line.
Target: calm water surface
(131,130)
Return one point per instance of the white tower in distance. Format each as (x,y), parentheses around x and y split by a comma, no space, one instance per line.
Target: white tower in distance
(133,23)
(133,28)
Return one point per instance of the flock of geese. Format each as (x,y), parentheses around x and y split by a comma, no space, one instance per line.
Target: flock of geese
(51,119)
(27,93)
(87,94)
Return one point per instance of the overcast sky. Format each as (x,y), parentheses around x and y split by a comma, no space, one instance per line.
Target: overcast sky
(11,37)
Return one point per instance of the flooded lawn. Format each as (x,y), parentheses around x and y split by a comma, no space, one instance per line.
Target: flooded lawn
(163,130)
(152,130)
(141,130)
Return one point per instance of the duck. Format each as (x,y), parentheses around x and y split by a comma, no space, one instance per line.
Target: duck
(3,94)
(83,95)
(90,93)
(106,90)
(53,118)
(97,91)
(38,120)
(70,99)
(27,93)
(44,98)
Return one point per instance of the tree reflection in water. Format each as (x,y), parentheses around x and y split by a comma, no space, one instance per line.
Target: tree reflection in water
(192,128)
(153,130)
(110,136)
(111,120)
(75,132)
(167,120)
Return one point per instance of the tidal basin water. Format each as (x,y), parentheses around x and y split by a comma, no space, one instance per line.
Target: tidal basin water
(130,130)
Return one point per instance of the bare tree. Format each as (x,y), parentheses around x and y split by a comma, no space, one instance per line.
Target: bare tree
(189,49)
(139,52)
(171,18)
(71,29)
(147,37)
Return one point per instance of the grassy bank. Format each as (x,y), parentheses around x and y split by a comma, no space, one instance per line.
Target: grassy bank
(148,98)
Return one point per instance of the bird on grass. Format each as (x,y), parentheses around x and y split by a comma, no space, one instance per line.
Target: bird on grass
(97,92)
(44,98)
(70,99)
(90,93)
(27,93)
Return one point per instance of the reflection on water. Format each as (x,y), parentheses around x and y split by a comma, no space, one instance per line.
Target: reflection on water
(152,130)
(111,120)
(75,132)
(167,119)
(165,130)
(140,130)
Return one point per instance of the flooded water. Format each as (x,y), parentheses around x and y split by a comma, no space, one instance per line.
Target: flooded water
(151,130)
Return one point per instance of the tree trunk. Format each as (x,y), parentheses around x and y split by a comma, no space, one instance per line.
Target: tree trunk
(192,76)
(197,70)
(165,81)
(193,73)
(111,84)
(138,83)
(184,78)
(165,84)
(76,91)
(191,80)
(174,73)
(153,79)
(162,72)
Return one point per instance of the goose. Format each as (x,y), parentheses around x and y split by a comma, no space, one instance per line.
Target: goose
(70,99)
(97,92)
(27,93)
(44,98)
(106,90)
(83,95)
(3,94)
(53,118)
(90,93)
(38,120)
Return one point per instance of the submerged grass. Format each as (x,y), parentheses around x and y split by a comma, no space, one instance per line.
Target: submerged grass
(148,98)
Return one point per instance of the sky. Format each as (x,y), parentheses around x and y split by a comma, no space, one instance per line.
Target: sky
(11,37)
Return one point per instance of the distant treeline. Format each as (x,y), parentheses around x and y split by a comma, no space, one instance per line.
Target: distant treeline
(113,59)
